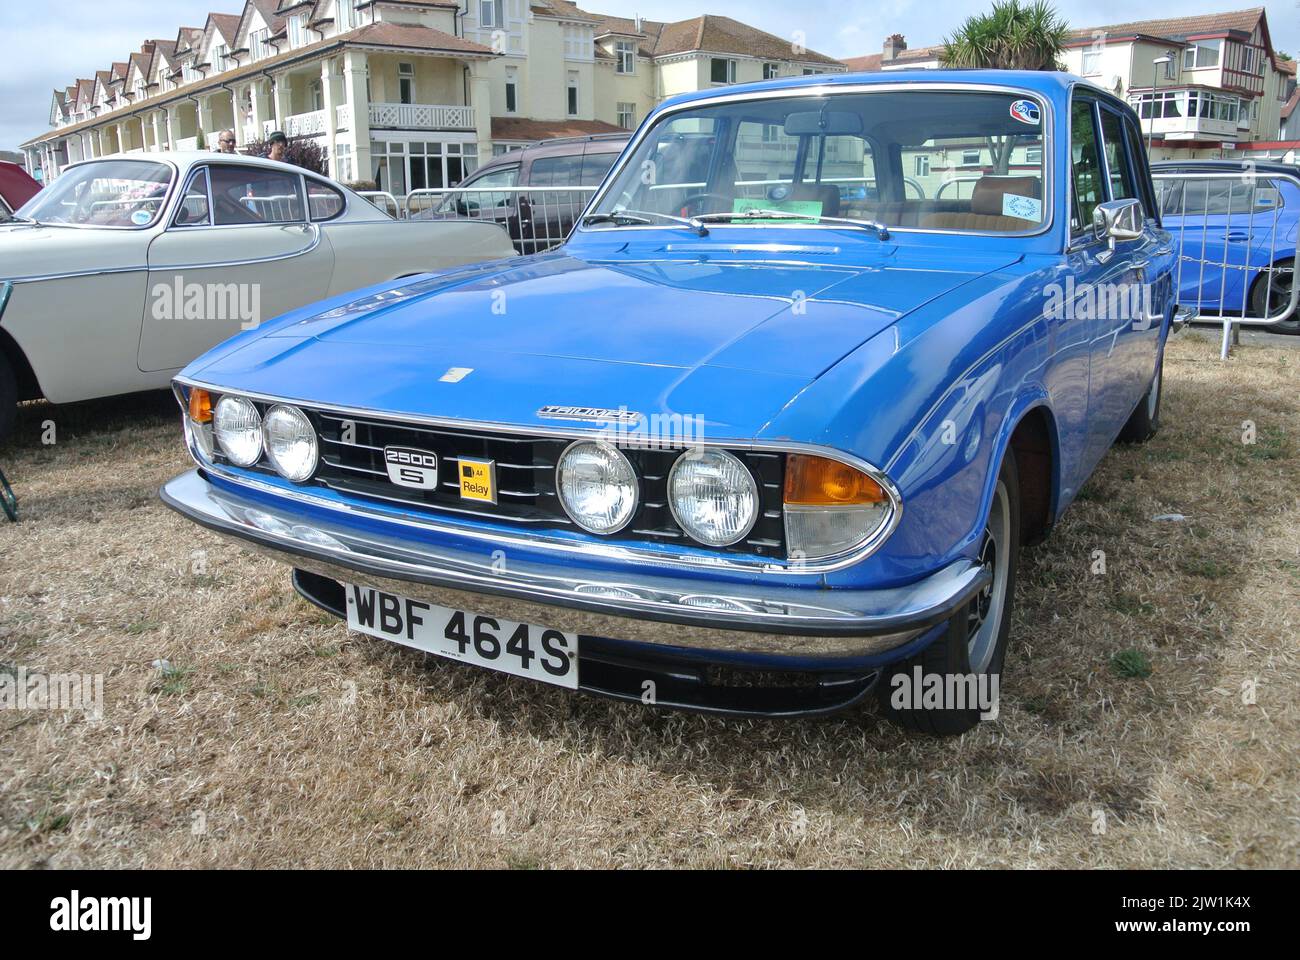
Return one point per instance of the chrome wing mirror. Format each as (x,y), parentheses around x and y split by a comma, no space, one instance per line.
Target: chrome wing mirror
(1119,221)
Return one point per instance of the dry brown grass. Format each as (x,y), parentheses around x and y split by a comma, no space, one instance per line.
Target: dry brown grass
(436,764)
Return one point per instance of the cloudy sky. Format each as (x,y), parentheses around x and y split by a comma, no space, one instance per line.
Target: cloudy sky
(43,52)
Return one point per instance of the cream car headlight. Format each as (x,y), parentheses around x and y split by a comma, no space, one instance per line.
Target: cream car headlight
(831,507)
(238,430)
(713,497)
(290,442)
(597,486)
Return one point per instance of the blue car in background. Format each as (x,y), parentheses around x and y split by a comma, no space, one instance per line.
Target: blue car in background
(1247,219)
(744,444)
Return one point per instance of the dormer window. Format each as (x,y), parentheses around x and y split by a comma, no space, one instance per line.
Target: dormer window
(625,52)
(219,55)
(345,15)
(257,44)
(297,32)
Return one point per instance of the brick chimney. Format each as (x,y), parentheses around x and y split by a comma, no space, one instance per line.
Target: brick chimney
(147,48)
(894,45)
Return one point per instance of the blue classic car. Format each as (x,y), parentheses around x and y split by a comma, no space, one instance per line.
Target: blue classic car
(754,440)
(1235,224)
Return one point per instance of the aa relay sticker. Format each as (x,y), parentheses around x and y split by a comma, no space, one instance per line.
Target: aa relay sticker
(478,480)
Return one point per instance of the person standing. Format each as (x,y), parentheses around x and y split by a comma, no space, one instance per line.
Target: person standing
(226,141)
(278,144)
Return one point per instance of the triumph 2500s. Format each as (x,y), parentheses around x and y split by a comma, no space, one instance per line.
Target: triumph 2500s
(765,436)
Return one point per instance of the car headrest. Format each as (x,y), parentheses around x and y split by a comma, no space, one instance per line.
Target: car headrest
(989,191)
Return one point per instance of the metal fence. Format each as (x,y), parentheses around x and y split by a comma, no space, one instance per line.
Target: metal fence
(537,218)
(1236,249)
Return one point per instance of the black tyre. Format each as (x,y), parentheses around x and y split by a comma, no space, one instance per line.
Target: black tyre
(975,644)
(8,398)
(1266,298)
(1145,420)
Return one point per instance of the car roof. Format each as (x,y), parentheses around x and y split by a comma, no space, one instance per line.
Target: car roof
(561,147)
(184,159)
(1051,84)
(1232,166)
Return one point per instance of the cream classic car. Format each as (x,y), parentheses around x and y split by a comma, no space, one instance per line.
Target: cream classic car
(128,267)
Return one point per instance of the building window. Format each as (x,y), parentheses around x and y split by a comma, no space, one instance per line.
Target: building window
(297,32)
(405,83)
(219,57)
(343,157)
(970,158)
(625,50)
(316,92)
(771,71)
(810,72)
(922,166)
(512,89)
(627,115)
(257,44)
(1204,53)
(1091,63)
(722,70)
(492,13)
(1034,155)
(573,93)
(346,15)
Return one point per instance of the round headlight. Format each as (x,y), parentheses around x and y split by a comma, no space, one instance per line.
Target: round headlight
(239,430)
(714,497)
(598,486)
(290,442)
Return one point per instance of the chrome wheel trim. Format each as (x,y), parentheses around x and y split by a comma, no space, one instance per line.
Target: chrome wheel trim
(984,616)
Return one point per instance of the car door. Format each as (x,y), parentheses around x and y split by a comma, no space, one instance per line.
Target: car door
(491,195)
(239,249)
(547,215)
(1136,312)
(1093,270)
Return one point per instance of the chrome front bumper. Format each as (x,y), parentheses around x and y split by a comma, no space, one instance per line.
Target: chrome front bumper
(639,604)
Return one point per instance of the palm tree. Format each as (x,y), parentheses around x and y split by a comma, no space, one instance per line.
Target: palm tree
(1009,37)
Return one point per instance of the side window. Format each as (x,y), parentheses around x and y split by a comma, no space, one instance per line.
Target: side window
(193,209)
(1089,191)
(248,195)
(1141,172)
(595,166)
(556,172)
(1123,184)
(324,202)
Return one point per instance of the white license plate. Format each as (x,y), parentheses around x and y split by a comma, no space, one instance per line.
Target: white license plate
(523,649)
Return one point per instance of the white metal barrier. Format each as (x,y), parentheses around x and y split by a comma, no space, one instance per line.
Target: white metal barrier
(537,218)
(384,201)
(1236,256)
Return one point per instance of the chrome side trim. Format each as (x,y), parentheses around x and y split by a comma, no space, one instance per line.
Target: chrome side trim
(762,619)
(611,551)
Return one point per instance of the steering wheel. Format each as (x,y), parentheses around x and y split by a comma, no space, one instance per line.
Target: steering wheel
(694,198)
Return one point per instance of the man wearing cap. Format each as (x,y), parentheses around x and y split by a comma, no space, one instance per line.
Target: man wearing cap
(278,142)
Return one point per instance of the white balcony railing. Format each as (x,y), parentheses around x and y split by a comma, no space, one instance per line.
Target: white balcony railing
(343,116)
(422,116)
(187,143)
(305,124)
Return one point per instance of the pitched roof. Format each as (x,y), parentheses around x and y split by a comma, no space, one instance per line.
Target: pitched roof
(1179,28)
(1286,66)
(385,35)
(1289,107)
(227,24)
(724,35)
(521,128)
(868,64)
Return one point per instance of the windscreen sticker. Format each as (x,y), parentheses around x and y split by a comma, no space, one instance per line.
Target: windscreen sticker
(1022,208)
(1026,111)
(141,217)
(807,208)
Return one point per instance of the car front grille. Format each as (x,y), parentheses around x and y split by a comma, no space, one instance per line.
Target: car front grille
(352,463)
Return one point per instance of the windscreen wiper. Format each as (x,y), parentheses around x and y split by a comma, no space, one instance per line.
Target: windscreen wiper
(880,230)
(643,217)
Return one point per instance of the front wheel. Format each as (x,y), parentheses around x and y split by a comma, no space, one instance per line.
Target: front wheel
(959,673)
(1272,297)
